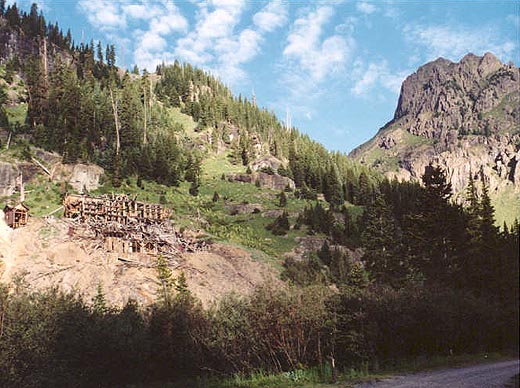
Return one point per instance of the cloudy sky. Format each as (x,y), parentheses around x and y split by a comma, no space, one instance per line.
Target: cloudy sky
(337,66)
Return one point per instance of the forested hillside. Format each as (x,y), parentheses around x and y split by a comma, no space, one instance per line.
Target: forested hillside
(373,271)
(81,105)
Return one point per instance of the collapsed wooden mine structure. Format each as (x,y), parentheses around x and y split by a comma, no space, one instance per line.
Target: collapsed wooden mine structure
(127,225)
(119,208)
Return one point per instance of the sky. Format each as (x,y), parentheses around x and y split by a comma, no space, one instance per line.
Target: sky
(335,65)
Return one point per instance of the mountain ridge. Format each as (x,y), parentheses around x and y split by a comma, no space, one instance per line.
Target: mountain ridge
(463,116)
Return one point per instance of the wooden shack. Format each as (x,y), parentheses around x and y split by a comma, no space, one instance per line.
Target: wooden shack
(16,216)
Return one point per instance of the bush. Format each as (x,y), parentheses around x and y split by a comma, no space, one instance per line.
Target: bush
(267,170)
(280,225)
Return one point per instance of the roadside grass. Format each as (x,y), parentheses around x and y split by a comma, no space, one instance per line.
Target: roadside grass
(347,378)
(514,382)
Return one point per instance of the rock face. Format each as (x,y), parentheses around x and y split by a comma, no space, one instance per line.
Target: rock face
(80,176)
(8,176)
(464,117)
(14,43)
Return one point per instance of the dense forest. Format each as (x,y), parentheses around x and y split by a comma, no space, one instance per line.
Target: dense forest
(434,278)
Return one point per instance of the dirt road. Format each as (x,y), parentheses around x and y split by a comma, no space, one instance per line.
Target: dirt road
(495,375)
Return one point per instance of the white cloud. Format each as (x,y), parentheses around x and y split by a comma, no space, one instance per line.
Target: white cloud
(215,23)
(272,16)
(137,11)
(453,42)
(376,76)
(216,42)
(307,52)
(158,20)
(349,25)
(232,53)
(365,7)
(368,80)
(103,14)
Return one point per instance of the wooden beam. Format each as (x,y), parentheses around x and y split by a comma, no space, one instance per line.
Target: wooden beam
(38,163)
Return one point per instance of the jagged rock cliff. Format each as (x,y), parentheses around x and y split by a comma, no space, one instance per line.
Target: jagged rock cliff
(16,44)
(462,116)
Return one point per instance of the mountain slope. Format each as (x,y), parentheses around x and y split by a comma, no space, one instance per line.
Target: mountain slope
(461,116)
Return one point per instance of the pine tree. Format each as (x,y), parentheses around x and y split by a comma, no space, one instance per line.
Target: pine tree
(485,247)
(383,256)
(181,284)
(165,281)
(435,233)
(99,304)
(365,192)
(324,254)
(282,199)
(194,188)
(332,188)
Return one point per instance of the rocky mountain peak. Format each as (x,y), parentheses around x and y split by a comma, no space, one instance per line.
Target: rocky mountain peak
(464,117)
(442,96)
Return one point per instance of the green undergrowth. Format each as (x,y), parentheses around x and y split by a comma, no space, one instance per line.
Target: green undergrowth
(217,164)
(43,197)
(16,114)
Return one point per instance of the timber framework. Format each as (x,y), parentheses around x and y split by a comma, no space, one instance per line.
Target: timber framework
(119,208)
(127,225)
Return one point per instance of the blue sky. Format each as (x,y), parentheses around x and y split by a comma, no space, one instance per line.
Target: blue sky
(337,66)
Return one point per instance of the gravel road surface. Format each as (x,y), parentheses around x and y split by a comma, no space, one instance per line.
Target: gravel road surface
(495,375)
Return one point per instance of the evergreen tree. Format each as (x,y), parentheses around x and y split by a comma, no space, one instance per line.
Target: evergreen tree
(383,256)
(282,199)
(165,281)
(324,254)
(365,192)
(435,233)
(482,266)
(332,188)
(99,303)
(194,188)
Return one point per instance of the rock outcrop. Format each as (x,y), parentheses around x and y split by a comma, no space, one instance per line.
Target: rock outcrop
(270,181)
(8,178)
(464,117)
(15,43)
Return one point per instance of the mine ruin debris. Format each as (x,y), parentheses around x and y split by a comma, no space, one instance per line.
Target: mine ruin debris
(128,226)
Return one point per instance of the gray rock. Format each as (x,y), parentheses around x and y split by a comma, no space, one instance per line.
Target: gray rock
(8,176)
